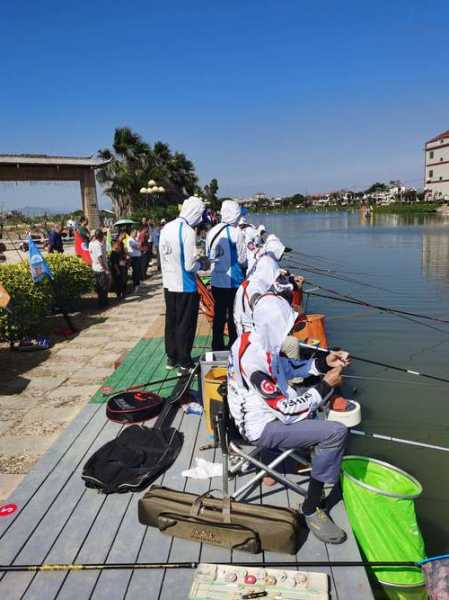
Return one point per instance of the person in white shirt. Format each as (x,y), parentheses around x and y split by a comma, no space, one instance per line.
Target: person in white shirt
(273,414)
(225,247)
(97,251)
(135,255)
(179,263)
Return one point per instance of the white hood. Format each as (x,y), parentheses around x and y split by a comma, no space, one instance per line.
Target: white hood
(273,319)
(230,212)
(265,274)
(274,247)
(192,210)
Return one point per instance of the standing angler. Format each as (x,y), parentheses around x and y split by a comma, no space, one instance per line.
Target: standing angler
(179,263)
(225,246)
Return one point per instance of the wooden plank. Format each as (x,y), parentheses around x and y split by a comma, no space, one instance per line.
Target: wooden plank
(177,583)
(311,549)
(96,547)
(129,370)
(42,470)
(254,496)
(155,545)
(30,517)
(112,585)
(55,524)
(351,582)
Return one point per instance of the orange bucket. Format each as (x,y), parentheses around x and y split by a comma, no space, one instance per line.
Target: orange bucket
(311,328)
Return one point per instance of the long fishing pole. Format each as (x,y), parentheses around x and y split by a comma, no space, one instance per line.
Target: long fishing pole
(388,438)
(107,390)
(195,565)
(339,277)
(352,300)
(378,363)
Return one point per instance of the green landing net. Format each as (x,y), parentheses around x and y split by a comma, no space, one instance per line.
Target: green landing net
(379,499)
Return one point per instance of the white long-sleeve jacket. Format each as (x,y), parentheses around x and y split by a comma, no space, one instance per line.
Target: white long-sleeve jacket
(225,246)
(263,275)
(177,247)
(258,389)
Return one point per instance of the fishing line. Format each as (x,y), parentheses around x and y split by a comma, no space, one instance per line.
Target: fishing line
(396,312)
(340,278)
(378,364)
(362,377)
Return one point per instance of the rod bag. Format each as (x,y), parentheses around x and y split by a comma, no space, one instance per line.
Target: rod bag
(220,522)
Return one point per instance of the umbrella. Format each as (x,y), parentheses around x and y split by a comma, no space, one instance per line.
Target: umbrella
(124,222)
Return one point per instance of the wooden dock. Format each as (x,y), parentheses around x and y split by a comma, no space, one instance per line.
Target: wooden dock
(59,520)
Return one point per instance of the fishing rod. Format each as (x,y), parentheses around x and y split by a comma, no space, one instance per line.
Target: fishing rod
(194,565)
(352,300)
(388,438)
(108,390)
(339,277)
(378,364)
(366,305)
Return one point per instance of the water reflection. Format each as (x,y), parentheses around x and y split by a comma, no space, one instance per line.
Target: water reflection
(408,256)
(435,254)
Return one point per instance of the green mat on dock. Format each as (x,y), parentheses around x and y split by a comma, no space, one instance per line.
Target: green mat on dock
(146,362)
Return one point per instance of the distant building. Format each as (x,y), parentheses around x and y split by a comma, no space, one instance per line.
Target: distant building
(436,181)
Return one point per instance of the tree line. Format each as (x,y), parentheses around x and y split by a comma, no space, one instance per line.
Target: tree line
(132,162)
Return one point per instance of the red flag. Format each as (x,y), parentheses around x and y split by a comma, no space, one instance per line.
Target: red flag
(81,248)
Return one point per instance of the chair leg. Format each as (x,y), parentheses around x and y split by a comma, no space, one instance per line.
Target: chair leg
(236,465)
(264,470)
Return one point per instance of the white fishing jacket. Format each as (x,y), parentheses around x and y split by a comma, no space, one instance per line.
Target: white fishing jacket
(225,246)
(258,389)
(177,247)
(259,280)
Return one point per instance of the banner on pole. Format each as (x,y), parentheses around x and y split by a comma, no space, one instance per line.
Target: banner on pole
(39,267)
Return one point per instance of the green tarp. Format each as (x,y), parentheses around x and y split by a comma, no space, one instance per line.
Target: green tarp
(379,500)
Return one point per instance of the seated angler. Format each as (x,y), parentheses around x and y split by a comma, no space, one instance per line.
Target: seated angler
(273,415)
(263,277)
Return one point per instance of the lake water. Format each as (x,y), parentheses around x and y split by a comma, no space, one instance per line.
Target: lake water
(408,256)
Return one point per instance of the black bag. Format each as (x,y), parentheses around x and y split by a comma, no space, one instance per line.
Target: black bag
(134,459)
(133,407)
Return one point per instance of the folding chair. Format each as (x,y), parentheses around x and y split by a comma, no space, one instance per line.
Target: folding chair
(241,459)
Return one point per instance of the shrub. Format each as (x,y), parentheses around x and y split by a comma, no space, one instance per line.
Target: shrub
(73,278)
(31,302)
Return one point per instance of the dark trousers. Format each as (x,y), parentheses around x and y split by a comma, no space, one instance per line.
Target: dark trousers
(119,281)
(145,260)
(328,438)
(181,316)
(136,269)
(101,287)
(223,313)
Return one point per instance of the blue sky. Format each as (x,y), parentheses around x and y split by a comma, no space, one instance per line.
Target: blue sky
(277,96)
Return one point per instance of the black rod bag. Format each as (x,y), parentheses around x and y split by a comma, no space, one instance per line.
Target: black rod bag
(134,459)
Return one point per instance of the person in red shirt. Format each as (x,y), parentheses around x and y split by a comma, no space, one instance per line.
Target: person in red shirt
(142,240)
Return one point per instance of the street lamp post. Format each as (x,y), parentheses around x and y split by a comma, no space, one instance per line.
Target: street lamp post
(153,189)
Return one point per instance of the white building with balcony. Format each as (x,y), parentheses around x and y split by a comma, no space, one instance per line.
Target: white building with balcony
(436,181)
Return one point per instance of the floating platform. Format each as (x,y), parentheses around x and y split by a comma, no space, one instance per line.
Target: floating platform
(59,520)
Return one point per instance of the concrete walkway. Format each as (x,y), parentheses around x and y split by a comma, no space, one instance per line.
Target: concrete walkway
(43,391)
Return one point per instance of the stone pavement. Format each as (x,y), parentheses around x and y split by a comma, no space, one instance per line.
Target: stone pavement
(42,394)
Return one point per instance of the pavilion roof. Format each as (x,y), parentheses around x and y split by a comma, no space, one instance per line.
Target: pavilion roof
(46,160)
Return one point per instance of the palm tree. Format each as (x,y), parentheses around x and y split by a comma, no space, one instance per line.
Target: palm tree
(132,162)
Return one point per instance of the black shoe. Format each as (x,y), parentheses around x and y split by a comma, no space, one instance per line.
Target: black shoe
(171,364)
